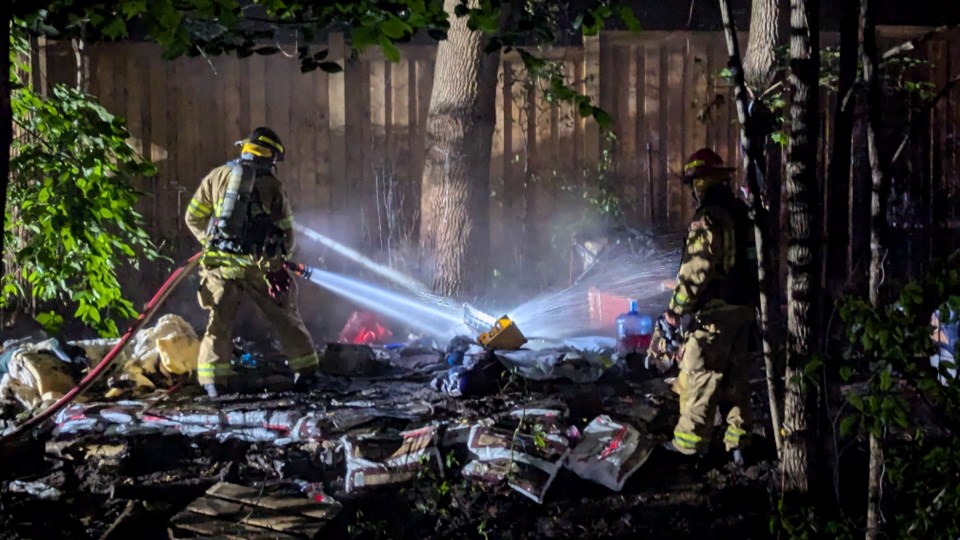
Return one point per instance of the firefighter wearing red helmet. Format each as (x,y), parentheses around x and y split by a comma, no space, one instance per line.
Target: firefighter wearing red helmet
(244,221)
(717,294)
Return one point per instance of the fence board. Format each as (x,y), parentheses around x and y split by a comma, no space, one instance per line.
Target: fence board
(319,148)
(676,101)
(651,128)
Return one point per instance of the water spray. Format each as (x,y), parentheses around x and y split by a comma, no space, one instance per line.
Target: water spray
(550,316)
(404,281)
(414,311)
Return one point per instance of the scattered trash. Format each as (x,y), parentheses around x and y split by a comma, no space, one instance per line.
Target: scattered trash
(37,374)
(477,374)
(609,453)
(380,460)
(503,336)
(12,345)
(365,328)
(42,372)
(527,461)
(235,511)
(593,344)
(37,489)
(349,360)
(533,482)
(556,363)
(418,360)
(634,331)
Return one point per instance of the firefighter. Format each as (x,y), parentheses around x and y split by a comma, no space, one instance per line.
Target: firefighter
(717,293)
(243,219)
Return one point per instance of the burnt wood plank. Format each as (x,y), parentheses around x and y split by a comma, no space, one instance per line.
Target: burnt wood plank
(257,516)
(208,526)
(253,496)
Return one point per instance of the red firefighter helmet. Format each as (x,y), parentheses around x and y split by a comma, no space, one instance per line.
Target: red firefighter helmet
(704,163)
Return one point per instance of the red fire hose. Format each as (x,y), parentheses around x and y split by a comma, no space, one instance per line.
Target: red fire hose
(178,275)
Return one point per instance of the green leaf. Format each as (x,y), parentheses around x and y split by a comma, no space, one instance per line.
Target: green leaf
(364,36)
(847,425)
(393,28)
(845,373)
(330,67)
(51,322)
(117,28)
(602,117)
(626,14)
(390,50)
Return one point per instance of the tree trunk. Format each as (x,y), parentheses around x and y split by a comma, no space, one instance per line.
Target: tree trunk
(877,225)
(760,60)
(754,151)
(454,206)
(836,266)
(6,122)
(874,112)
(873,488)
(803,271)
(838,179)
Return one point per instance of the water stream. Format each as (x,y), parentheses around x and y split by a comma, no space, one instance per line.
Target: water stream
(553,315)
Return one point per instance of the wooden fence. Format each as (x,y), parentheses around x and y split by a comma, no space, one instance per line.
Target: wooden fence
(353,135)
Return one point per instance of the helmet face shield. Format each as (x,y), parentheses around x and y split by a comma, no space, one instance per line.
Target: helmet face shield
(704,167)
(262,143)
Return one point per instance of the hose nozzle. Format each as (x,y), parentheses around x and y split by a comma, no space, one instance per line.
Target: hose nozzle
(299,270)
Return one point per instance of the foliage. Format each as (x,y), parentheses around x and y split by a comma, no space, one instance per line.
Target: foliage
(70,220)
(213,27)
(897,75)
(889,352)
(894,389)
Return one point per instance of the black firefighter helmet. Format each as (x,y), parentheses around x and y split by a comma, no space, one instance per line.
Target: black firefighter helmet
(262,143)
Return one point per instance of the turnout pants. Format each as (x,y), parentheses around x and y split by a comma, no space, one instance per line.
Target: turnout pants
(714,372)
(221,291)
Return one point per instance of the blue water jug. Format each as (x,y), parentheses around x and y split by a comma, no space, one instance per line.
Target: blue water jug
(634,331)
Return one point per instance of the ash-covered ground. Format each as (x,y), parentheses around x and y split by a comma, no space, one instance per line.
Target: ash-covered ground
(100,479)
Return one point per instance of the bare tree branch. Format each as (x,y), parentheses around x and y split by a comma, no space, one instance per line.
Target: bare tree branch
(944,92)
(912,44)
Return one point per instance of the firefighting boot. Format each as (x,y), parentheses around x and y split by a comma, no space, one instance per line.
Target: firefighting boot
(233,385)
(673,448)
(212,390)
(305,381)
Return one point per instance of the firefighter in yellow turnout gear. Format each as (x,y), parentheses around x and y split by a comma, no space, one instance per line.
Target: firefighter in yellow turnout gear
(717,290)
(243,219)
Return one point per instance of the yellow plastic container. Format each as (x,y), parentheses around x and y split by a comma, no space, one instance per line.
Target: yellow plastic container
(504,336)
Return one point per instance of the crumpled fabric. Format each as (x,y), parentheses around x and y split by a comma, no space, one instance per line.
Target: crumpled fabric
(466,374)
(38,374)
(158,355)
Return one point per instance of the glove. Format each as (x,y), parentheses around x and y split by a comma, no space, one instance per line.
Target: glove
(664,345)
(670,334)
(278,282)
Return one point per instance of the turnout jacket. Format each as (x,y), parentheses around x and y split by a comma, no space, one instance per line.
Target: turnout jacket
(718,268)
(207,203)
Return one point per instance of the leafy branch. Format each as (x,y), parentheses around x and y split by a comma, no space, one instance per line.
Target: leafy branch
(70,221)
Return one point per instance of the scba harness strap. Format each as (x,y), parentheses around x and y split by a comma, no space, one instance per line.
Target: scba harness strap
(242,225)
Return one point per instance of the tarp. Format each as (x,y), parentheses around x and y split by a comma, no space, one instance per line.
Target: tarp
(556,363)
